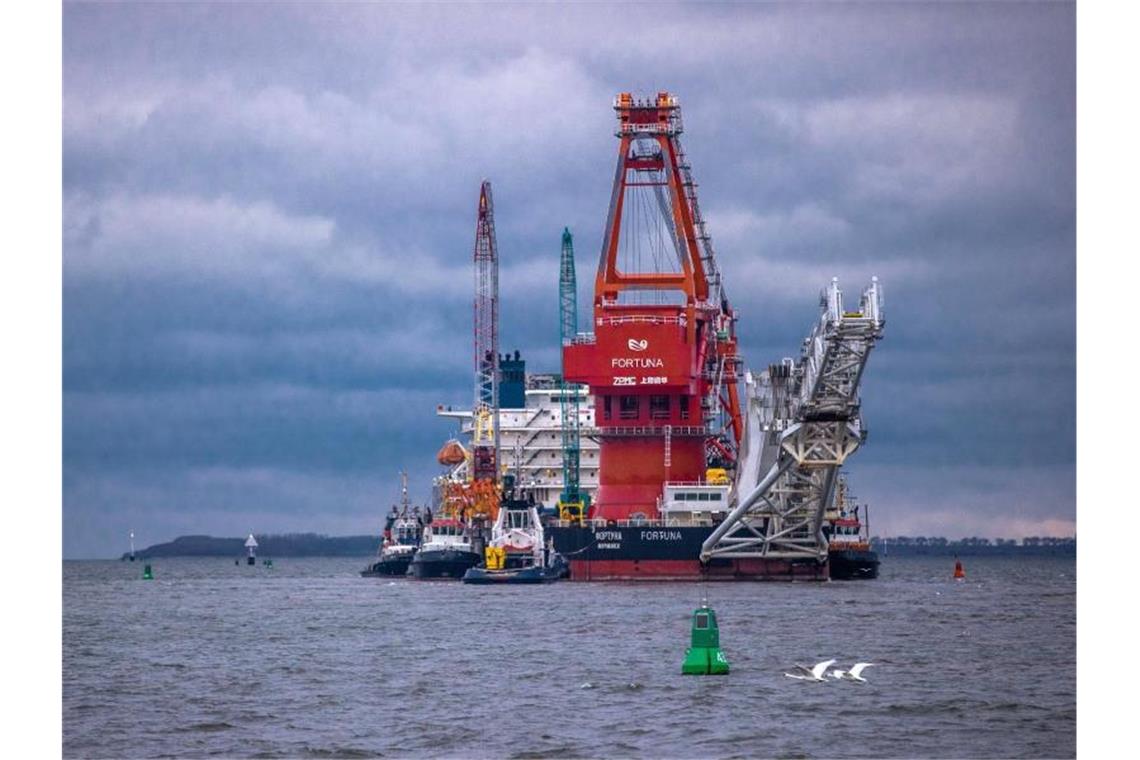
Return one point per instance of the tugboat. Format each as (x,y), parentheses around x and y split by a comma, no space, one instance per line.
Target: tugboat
(446,551)
(402,534)
(518,552)
(849,554)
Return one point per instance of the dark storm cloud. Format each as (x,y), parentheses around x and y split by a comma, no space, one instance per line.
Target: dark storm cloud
(269,213)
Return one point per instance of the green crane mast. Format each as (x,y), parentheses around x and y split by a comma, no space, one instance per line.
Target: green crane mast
(573,503)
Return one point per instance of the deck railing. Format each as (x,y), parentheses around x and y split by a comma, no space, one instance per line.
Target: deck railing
(654,430)
(601,524)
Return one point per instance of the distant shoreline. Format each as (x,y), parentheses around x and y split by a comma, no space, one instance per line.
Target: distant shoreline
(316,545)
(287,545)
(974,547)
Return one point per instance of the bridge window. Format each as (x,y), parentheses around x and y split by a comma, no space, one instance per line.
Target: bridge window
(608,405)
(628,408)
(683,405)
(658,407)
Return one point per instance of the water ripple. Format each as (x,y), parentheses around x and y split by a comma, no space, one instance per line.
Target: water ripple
(307,659)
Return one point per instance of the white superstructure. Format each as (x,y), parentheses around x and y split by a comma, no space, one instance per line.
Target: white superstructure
(701,503)
(443,534)
(520,531)
(531,439)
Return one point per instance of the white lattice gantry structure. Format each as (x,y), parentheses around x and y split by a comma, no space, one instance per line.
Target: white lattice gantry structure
(803,421)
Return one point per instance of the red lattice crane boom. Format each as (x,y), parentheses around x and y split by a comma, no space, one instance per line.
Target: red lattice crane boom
(485,412)
(478,496)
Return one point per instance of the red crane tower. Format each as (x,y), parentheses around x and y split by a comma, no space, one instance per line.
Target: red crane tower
(485,412)
(662,362)
(477,497)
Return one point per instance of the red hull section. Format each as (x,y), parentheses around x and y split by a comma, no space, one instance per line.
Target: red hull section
(632,469)
(691,570)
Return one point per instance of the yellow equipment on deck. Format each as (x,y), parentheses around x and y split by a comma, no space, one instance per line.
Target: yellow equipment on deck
(717,476)
(496,557)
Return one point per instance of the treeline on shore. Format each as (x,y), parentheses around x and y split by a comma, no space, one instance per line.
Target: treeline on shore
(283,545)
(935,545)
(316,545)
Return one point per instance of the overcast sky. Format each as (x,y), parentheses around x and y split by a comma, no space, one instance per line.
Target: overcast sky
(269,214)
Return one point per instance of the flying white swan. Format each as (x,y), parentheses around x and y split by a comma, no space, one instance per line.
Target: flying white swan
(853,674)
(804,673)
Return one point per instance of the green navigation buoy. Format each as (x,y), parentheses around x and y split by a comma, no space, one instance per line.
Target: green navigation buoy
(147,574)
(705,657)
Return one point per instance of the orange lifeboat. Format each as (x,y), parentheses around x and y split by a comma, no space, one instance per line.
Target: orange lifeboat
(451,454)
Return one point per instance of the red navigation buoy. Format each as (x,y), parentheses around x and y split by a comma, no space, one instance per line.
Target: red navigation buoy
(959,572)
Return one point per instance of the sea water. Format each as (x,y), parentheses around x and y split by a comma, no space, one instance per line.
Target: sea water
(307,659)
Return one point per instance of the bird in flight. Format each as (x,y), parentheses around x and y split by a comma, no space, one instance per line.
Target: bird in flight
(804,673)
(853,674)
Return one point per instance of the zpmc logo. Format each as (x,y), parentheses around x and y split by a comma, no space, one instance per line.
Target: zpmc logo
(638,345)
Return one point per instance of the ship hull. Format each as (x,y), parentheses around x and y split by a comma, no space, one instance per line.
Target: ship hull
(853,564)
(446,564)
(514,576)
(386,568)
(635,553)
